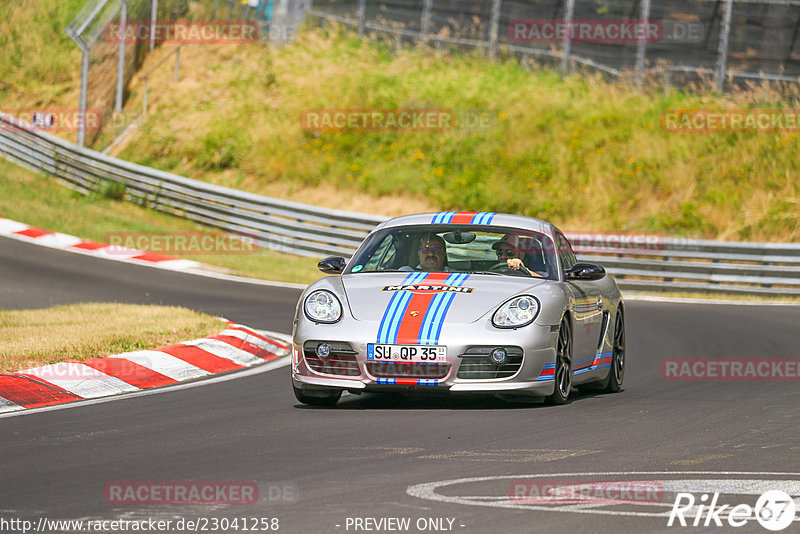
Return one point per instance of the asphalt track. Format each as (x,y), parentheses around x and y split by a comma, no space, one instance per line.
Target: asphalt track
(318,467)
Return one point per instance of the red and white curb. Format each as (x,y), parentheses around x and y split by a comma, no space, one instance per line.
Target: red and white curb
(235,348)
(58,240)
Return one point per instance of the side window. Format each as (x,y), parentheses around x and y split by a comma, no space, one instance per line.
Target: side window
(565,254)
(382,256)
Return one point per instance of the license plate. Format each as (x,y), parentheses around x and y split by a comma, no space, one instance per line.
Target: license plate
(406,353)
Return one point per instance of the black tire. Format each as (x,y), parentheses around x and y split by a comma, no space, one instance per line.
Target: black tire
(563,371)
(322,400)
(617,372)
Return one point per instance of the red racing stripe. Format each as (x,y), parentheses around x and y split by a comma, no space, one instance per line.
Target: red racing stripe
(33,232)
(249,347)
(89,245)
(130,372)
(29,392)
(150,256)
(410,325)
(201,358)
(463,217)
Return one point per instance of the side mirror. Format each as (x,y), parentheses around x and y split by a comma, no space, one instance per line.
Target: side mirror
(332,265)
(585,271)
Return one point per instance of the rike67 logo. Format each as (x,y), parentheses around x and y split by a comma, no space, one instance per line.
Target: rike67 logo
(775,510)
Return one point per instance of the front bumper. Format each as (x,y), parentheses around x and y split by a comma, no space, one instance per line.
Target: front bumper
(534,377)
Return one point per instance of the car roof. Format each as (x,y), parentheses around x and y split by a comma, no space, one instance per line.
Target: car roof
(470,217)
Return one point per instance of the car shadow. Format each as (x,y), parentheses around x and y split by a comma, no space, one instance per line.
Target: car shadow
(429,401)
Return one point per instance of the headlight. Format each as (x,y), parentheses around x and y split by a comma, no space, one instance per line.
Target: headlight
(323,307)
(517,312)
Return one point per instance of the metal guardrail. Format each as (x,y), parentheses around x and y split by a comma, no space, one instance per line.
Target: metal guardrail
(272,223)
(670,264)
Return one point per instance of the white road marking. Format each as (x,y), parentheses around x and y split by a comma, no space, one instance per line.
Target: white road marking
(266,367)
(8,406)
(163,363)
(80,379)
(224,350)
(743,486)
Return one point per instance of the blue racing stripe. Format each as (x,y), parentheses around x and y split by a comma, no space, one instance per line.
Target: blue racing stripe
(425,335)
(390,314)
(438,320)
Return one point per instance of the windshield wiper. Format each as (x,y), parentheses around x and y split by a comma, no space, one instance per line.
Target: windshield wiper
(484,272)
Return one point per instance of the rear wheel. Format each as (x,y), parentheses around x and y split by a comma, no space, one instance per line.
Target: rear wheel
(563,370)
(323,398)
(617,372)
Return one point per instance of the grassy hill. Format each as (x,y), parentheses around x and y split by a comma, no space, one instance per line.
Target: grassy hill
(587,153)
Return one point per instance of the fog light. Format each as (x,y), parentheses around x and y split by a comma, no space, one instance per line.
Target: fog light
(498,356)
(323,350)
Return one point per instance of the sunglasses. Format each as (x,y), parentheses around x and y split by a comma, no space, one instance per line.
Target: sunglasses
(505,252)
(431,249)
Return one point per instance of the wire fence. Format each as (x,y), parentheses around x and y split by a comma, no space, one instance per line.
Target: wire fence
(677,41)
(116,36)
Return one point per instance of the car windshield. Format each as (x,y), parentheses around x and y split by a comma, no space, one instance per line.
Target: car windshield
(464,248)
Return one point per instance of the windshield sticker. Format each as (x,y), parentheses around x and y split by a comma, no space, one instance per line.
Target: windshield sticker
(357,268)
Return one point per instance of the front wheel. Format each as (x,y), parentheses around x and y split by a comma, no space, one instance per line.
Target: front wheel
(563,370)
(323,399)
(617,372)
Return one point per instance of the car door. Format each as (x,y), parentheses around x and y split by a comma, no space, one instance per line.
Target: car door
(587,307)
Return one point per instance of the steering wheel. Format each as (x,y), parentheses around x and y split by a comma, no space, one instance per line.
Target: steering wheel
(503,268)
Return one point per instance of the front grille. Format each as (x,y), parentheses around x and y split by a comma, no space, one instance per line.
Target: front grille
(408,370)
(341,362)
(476,365)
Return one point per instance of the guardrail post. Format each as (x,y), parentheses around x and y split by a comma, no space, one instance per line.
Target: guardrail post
(425,24)
(641,48)
(494,29)
(153,21)
(362,16)
(569,10)
(724,35)
(123,26)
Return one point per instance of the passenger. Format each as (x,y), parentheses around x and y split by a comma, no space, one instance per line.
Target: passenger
(511,256)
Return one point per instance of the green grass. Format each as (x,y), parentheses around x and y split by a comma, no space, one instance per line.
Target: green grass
(40,64)
(584,152)
(40,201)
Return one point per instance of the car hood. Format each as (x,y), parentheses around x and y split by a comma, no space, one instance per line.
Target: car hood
(372,296)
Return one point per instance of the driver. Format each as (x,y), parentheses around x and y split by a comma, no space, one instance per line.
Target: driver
(432,254)
(511,256)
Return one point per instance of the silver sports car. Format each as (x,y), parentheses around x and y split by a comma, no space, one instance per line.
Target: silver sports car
(459,302)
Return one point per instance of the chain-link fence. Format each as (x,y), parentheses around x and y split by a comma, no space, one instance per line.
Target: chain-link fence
(115,37)
(723,41)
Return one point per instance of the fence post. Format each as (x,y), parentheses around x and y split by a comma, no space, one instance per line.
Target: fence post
(724,34)
(641,48)
(425,24)
(123,23)
(569,10)
(153,20)
(494,29)
(362,16)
